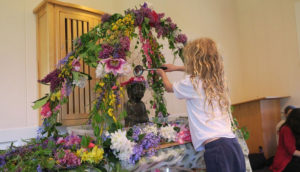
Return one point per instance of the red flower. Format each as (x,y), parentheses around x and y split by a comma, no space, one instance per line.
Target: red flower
(91,145)
(153,19)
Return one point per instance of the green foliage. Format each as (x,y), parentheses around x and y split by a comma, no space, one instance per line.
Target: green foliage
(40,102)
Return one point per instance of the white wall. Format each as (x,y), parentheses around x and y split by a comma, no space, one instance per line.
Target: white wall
(269,49)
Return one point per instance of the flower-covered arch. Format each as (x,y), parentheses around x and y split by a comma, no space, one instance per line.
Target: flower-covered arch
(106,48)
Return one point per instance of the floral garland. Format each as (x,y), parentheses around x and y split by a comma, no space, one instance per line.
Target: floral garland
(106,48)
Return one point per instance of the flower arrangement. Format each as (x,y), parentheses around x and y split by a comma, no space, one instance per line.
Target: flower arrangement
(126,147)
(106,48)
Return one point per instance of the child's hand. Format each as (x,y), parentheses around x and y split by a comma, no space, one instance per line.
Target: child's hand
(170,67)
(160,72)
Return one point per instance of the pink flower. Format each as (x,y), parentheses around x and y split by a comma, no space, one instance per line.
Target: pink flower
(91,145)
(184,136)
(72,139)
(114,65)
(114,87)
(76,65)
(69,159)
(57,108)
(60,140)
(46,110)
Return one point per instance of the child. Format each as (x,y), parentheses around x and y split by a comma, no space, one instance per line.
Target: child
(208,105)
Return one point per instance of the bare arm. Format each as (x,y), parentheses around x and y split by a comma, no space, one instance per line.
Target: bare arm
(168,85)
(171,68)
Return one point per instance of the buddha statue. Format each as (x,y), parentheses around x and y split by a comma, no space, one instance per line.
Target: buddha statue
(136,109)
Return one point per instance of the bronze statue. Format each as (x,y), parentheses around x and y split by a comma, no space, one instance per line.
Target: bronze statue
(136,109)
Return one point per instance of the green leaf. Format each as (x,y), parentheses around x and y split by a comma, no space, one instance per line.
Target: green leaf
(97,131)
(129,133)
(84,141)
(50,164)
(123,114)
(141,136)
(97,118)
(39,103)
(75,75)
(146,19)
(177,129)
(87,75)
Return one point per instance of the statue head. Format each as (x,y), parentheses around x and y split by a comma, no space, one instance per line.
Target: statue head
(136,91)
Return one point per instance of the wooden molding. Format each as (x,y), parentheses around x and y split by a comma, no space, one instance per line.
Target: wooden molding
(65,4)
(260,98)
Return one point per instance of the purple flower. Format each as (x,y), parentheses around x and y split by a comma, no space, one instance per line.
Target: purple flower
(151,152)
(105,18)
(145,5)
(100,98)
(138,151)
(136,133)
(169,20)
(173,26)
(39,168)
(53,78)
(139,19)
(65,59)
(72,140)
(69,159)
(116,92)
(119,53)
(125,43)
(181,38)
(2,160)
(150,141)
(106,51)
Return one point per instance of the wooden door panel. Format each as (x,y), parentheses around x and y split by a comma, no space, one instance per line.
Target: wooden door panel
(76,111)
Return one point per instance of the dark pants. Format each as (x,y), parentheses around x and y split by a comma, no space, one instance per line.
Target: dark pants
(293,165)
(224,155)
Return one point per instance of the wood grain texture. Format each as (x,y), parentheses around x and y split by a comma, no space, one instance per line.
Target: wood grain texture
(260,116)
(58,25)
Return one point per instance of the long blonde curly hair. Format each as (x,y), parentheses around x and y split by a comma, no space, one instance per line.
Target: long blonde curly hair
(203,62)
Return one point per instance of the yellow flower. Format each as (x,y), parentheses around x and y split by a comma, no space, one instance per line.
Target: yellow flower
(110,112)
(114,27)
(95,156)
(115,120)
(101,84)
(55,96)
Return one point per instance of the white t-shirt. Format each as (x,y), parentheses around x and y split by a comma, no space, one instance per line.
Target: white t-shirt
(202,125)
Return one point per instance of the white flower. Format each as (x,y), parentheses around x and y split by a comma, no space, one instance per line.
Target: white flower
(150,129)
(168,133)
(176,33)
(126,69)
(120,144)
(100,71)
(179,45)
(81,81)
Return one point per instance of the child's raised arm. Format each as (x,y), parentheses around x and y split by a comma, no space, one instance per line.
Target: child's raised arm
(166,81)
(171,68)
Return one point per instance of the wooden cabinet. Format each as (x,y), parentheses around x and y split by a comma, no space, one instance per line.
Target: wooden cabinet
(58,25)
(260,116)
